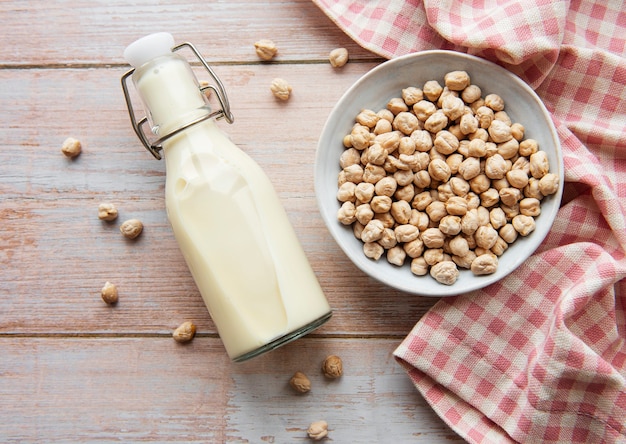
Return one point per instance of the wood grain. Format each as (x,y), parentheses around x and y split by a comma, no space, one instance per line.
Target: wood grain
(74,369)
(134,390)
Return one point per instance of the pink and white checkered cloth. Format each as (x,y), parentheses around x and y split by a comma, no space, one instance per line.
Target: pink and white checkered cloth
(539,357)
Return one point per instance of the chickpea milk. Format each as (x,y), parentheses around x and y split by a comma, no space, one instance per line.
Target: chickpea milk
(232,229)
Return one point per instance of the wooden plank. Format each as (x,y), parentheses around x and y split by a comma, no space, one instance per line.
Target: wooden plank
(153,389)
(88,32)
(57,255)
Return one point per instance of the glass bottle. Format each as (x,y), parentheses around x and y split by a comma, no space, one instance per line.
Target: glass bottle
(234,233)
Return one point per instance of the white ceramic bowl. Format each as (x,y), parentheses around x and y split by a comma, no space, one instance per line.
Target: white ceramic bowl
(373,91)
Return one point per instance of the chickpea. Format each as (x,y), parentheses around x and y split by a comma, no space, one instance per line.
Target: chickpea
(497,218)
(450,225)
(495,167)
(364,213)
(396,256)
(373,231)
(347,213)
(422,179)
(386,218)
(508,149)
(528,147)
(436,211)
(494,102)
(424,109)
(459,246)
(373,250)
(357,229)
(412,95)
(486,236)
(414,248)
(464,261)
(445,272)
(433,256)
(433,238)
(499,131)
(354,173)
(406,122)
(530,206)
(386,186)
(364,192)
(419,267)
(469,168)
(385,114)
(500,247)
(381,204)
(401,211)
(517,178)
(471,94)
(382,126)
(446,143)
(508,233)
(485,117)
(548,184)
(373,173)
(480,184)
(524,225)
(439,170)
(406,146)
(406,233)
(432,90)
(453,107)
(470,222)
(539,165)
(484,264)
(388,239)
(510,196)
(419,219)
(532,189)
(503,116)
(517,131)
(397,105)
(367,118)
(456,206)
(436,122)
(457,80)
(489,198)
(405,193)
(346,192)
(349,157)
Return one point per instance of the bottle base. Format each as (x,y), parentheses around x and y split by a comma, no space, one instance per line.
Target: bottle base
(285,339)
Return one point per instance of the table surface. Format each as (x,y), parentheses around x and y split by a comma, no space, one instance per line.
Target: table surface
(75,369)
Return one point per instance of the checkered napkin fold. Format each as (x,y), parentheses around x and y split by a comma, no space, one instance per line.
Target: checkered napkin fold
(541,355)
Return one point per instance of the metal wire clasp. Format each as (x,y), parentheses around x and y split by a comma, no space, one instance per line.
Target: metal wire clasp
(138,125)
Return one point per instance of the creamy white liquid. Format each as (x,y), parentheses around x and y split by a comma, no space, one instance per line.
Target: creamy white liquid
(229,223)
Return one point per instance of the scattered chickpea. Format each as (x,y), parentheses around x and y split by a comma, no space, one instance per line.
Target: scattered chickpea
(71,147)
(338,57)
(300,382)
(281,89)
(318,430)
(131,228)
(107,211)
(332,367)
(265,49)
(185,332)
(109,293)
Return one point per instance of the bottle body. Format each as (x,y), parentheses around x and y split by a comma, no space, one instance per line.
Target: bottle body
(231,227)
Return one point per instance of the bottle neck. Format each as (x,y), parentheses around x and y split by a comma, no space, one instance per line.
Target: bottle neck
(170,93)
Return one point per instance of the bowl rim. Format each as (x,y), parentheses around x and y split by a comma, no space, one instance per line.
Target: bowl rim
(441,290)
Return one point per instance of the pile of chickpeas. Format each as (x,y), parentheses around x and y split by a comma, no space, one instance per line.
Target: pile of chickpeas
(441,177)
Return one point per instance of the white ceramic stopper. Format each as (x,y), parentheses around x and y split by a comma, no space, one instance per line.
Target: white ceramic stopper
(148,48)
